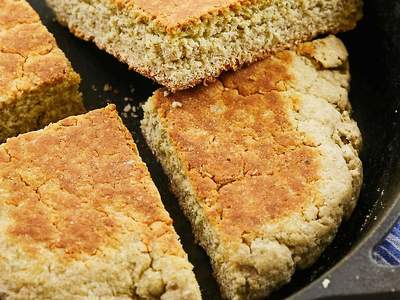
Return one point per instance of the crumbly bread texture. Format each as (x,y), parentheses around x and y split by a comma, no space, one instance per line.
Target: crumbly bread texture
(181,43)
(37,83)
(264,163)
(80,217)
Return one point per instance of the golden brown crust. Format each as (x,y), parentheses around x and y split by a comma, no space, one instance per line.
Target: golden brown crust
(37,83)
(261,150)
(10,69)
(60,201)
(29,57)
(174,14)
(264,163)
(13,13)
(79,210)
(180,45)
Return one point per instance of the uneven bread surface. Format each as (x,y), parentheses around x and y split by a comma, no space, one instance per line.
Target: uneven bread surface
(80,217)
(264,163)
(182,43)
(37,83)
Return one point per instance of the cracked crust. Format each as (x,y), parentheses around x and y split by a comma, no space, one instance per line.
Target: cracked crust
(264,163)
(85,226)
(37,82)
(180,44)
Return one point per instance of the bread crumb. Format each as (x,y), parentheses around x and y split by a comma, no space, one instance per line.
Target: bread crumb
(176,104)
(325,283)
(129,111)
(94,88)
(107,87)
(127,108)
(132,88)
(166,93)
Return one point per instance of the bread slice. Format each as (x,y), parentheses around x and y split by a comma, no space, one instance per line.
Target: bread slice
(37,83)
(264,163)
(80,217)
(181,43)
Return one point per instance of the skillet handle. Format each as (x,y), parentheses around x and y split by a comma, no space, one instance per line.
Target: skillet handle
(359,276)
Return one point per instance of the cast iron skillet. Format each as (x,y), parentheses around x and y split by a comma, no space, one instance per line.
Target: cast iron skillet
(375,95)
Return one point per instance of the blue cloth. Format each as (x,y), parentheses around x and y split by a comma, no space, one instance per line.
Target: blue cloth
(388,251)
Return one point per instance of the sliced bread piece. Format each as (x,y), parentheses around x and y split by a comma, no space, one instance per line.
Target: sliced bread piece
(37,83)
(181,43)
(80,217)
(264,163)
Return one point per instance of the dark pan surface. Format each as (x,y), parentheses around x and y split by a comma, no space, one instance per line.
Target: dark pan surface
(375,95)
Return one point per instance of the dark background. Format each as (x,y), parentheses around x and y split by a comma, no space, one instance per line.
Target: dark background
(375,95)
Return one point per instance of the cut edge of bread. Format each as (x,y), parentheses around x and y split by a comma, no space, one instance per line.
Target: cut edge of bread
(202,52)
(37,107)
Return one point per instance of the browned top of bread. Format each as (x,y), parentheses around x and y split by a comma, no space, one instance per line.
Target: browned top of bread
(29,56)
(173,13)
(254,166)
(65,186)
(81,217)
(264,162)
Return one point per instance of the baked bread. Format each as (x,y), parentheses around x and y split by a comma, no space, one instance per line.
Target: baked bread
(181,43)
(264,163)
(80,217)
(37,83)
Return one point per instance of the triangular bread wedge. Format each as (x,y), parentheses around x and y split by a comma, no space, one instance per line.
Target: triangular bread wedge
(181,43)
(264,163)
(37,83)
(80,217)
